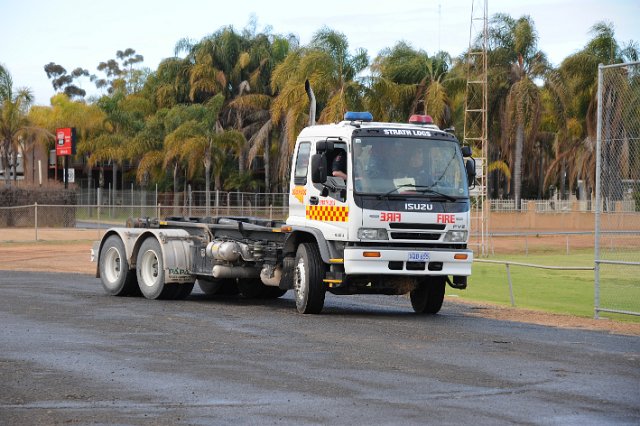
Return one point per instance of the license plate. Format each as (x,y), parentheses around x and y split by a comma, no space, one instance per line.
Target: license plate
(418,256)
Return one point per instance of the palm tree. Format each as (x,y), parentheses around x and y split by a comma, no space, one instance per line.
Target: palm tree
(124,118)
(333,74)
(253,102)
(516,62)
(201,140)
(415,82)
(14,123)
(574,87)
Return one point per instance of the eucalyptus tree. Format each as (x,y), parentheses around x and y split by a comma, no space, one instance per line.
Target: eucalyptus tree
(14,123)
(64,81)
(122,73)
(516,63)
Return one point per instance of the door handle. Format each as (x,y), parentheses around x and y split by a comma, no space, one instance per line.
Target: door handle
(314,200)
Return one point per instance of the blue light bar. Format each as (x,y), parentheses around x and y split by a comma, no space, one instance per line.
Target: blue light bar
(358,116)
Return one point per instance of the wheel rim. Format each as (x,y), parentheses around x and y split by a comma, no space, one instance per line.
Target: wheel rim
(149,268)
(300,281)
(112,265)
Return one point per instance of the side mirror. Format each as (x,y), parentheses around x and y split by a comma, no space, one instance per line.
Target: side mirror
(324,146)
(470,167)
(466,151)
(318,168)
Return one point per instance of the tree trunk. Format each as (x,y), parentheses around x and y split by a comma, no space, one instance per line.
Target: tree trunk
(114,175)
(14,165)
(176,195)
(217,181)
(267,170)
(517,165)
(207,178)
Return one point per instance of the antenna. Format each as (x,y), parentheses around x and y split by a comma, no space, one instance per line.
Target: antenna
(439,24)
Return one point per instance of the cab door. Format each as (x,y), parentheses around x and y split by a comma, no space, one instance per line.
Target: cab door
(299,184)
(327,208)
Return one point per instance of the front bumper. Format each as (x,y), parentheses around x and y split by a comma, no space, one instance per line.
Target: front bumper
(401,262)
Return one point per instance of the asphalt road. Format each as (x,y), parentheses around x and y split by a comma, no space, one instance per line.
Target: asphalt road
(69,354)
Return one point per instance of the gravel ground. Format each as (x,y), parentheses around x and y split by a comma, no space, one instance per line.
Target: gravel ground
(72,355)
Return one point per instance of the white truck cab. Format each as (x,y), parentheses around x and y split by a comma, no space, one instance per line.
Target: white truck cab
(399,222)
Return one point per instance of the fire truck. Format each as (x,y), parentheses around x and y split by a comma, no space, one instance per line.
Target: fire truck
(394,221)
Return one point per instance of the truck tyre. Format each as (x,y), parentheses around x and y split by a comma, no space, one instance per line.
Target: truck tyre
(307,279)
(427,298)
(150,272)
(115,275)
(221,287)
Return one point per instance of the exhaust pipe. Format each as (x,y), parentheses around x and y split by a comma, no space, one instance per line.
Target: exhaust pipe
(312,102)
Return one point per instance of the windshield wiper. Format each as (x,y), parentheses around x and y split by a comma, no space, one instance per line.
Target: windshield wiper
(423,189)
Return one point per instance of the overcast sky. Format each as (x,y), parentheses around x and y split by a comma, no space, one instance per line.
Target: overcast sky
(82,33)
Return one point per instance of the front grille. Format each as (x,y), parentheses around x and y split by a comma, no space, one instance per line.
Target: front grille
(430,226)
(424,236)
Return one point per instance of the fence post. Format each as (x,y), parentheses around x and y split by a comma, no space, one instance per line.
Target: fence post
(513,302)
(596,266)
(36,220)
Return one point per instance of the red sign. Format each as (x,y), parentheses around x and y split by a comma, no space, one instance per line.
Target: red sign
(66,141)
(446,218)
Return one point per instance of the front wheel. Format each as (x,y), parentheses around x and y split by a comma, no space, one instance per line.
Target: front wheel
(308,274)
(115,275)
(150,271)
(428,296)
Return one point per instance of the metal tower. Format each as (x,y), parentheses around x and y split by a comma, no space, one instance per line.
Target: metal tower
(475,115)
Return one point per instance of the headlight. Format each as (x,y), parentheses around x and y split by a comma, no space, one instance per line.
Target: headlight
(372,234)
(455,237)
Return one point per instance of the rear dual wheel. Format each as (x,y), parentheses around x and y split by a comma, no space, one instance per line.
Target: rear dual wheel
(150,273)
(115,275)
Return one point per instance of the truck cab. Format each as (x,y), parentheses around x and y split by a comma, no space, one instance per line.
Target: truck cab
(398,223)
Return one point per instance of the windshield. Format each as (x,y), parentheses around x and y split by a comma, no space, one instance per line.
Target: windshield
(393,165)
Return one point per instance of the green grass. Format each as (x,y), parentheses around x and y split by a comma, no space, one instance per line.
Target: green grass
(559,291)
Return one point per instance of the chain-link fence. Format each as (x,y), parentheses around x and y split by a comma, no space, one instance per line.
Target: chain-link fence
(617,254)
